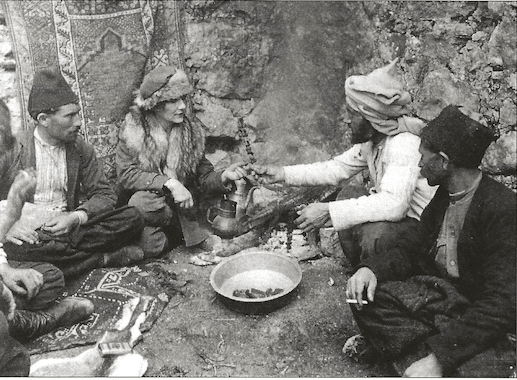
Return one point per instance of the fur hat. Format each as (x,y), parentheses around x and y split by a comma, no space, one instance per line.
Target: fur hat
(160,84)
(461,138)
(49,91)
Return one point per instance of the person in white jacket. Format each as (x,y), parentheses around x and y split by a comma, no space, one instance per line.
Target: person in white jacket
(386,144)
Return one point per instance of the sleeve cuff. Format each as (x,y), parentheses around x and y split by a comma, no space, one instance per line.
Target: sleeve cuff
(158,182)
(220,187)
(82,216)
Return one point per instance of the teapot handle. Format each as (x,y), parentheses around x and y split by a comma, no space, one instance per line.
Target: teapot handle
(249,198)
(210,215)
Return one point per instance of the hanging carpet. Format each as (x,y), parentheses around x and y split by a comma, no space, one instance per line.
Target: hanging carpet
(103,48)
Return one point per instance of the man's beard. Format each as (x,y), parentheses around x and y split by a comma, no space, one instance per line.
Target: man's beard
(363,133)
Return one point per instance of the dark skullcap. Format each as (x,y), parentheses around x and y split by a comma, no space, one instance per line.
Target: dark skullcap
(49,91)
(462,139)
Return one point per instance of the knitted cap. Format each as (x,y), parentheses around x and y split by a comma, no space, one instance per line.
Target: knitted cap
(160,84)
(461,138)
(49,91)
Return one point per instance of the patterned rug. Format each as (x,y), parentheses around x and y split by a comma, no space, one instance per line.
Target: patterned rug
(110,289)
(103,48)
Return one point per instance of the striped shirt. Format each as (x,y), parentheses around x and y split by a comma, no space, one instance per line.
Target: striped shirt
(52,176)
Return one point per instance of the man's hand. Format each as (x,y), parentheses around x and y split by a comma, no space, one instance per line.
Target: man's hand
(425,367)
(363,279)
(19,234)
(7,304)
(61,224)
(182,197)
(269,174)
(22,188)
(234,172)
(313,216)
(24,282)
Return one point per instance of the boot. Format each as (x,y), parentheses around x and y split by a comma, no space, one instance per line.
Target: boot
(27,325)
(211,243)
(122,257)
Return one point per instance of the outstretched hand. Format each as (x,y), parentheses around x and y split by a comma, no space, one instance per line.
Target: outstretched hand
(234,172)
(269,174)
(313,216)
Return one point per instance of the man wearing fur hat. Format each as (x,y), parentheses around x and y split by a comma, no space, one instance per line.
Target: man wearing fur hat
(58,226)
(386,145)
(442,301)
(161,162)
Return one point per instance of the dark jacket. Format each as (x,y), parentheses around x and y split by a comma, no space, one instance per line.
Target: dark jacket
(133,175)
(486,261)
(86,179)
(131,178)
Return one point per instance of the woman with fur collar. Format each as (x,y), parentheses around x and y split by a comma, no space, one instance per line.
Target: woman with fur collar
(161,162)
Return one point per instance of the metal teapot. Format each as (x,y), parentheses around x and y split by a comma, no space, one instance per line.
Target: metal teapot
(225,217)
(222,218)
(243,195)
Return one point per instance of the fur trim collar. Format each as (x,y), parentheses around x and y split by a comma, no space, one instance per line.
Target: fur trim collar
(175,155)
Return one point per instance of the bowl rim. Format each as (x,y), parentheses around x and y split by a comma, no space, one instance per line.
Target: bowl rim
(257,300)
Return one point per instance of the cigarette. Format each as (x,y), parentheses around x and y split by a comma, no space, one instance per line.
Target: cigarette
(349,300)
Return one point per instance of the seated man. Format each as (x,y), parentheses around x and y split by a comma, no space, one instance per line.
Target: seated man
(27,290)
(386,144)
(73,236)
(442,301)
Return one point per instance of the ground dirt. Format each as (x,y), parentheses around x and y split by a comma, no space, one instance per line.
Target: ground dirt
(198,336)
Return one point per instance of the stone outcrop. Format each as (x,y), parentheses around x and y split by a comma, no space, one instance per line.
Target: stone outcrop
(282,65)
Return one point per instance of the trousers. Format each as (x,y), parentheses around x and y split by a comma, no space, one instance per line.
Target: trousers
(52,288)
(406,313)
(367,239)
(14,358)
(83,248)
(164,222)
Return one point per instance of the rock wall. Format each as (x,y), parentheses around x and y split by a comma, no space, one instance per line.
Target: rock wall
(282,65)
